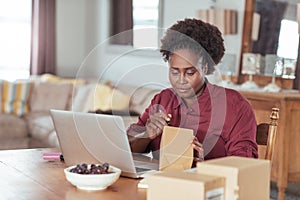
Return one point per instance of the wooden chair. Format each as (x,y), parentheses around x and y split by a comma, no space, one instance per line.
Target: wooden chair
(266,135)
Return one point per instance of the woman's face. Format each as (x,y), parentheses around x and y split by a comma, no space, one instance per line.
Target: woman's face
(185,76)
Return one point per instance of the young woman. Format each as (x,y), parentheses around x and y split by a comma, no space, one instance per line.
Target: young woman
(222,120)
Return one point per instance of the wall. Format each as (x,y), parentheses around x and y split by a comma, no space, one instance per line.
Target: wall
(83,50)
(70,19)
(79,29)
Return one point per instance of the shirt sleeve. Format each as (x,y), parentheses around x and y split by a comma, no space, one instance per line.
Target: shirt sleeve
(139,126)
(242,139)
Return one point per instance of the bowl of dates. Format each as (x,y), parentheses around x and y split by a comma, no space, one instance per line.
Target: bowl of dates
(92,176)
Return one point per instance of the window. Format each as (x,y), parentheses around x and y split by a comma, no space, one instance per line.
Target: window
(15,36)
(135,22)
(145,23)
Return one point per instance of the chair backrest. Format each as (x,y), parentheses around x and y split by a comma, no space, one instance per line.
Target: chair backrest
(266,135)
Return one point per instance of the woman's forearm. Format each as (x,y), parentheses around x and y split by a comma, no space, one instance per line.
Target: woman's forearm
(138,143)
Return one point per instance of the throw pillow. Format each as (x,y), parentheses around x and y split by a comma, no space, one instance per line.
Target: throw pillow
(53,78)
(48,95)
(107,98)
(15,96)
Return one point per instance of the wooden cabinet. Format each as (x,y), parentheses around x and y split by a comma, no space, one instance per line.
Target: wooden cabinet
(286,160)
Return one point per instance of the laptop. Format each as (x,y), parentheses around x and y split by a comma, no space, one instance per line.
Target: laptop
(98,138)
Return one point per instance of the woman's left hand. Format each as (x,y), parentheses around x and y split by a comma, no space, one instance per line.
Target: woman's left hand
(199,153)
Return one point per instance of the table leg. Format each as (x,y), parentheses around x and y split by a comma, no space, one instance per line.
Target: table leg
(281,193)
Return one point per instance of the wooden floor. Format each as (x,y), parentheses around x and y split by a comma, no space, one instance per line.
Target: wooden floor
(292,191)
(294,188)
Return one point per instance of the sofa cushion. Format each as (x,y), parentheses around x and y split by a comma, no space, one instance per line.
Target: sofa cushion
(128,120)
(14,143)
(49,95)
(82,98)
(141,98)
(15,96)
(41,130)
(50,141)
(12,126)
(40,125)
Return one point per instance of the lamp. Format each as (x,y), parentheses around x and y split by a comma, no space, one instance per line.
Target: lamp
(251,65)
(224,19)
(273,87)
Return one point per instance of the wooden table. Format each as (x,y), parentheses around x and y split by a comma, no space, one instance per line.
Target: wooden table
(286,160)
(25,175)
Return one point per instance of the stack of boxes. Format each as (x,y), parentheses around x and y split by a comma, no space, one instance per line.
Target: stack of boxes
(228,178)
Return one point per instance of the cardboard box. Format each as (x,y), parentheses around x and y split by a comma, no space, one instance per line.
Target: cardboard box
(246,178)
(185,185)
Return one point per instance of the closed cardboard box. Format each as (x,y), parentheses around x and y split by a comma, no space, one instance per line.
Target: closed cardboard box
(184,185)
(246,178)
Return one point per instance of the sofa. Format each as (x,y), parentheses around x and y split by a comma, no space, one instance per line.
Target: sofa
(25,120)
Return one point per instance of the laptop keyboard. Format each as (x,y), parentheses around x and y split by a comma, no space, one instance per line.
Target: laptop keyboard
(140,169)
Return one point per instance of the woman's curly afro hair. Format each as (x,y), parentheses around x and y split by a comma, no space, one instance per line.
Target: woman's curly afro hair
(202,38)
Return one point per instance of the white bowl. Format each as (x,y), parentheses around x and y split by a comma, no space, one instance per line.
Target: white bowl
(92,181)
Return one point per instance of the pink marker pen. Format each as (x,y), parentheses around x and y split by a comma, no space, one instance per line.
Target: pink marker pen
(52,156)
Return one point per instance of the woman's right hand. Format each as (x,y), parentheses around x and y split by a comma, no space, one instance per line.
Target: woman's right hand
(156,123)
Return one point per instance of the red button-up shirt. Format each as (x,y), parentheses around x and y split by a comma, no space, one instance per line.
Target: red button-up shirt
(222,120)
